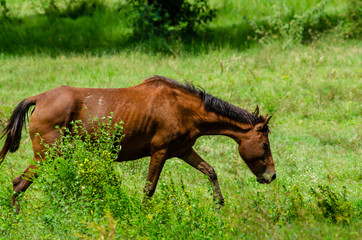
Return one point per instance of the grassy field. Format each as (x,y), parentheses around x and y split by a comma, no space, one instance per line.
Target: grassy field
(313,91)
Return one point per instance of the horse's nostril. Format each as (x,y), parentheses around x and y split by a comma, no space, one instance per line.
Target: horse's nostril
(274,176)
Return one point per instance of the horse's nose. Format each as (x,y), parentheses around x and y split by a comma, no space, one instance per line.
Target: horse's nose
(266,178)
(274,176)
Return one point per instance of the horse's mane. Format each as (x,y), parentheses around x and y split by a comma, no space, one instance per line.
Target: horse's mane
(215,104)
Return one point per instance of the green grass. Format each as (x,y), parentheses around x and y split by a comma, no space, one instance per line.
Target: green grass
(313,91)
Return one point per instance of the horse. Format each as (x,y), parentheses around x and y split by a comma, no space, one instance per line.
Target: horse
(162,119)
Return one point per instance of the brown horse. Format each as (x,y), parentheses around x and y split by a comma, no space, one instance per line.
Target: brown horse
(162,117)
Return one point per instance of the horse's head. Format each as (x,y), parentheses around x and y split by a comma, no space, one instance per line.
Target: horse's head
(255,150)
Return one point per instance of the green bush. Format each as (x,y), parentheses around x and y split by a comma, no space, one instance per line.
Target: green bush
(78,174)
(351,26)
(166,17)
(3,9)
(71,8)
(333,206)
(290,26)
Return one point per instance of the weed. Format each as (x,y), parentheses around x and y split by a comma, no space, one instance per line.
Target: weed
(105,231)
(296,204)
(334,206)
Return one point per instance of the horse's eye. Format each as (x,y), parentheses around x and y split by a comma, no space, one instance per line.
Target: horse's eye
(266,147)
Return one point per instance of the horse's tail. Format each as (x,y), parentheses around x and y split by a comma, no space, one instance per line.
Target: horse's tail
(14,127)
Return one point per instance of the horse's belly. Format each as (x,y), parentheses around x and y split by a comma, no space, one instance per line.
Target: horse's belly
(129,152)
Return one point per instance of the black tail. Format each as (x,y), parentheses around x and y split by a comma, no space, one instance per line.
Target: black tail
(14,127)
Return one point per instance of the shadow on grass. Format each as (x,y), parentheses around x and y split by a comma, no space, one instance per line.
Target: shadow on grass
(107,32)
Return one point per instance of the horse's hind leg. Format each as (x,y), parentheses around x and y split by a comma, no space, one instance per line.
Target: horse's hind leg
(21,183)
(24,180)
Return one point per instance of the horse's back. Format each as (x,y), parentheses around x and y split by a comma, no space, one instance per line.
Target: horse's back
(154,113)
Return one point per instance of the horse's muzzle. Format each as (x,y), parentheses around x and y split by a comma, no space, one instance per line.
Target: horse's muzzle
(267,178)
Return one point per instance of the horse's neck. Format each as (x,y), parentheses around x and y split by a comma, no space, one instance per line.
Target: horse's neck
(214,124)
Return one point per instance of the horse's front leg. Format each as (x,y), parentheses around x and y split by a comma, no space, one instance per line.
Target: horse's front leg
(197,162)
(157,162)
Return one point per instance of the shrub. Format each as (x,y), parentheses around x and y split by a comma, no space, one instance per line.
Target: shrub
(333,206)
(71,8)
(77,173)
(3,9)
(291,26)
(351,26)
(165,17)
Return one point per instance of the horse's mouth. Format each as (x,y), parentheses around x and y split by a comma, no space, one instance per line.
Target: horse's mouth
(262,180)
(268,180)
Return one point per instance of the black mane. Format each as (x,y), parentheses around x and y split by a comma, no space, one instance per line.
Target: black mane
(219,106)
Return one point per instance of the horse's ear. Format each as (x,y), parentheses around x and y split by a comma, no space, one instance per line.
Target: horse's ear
(256,111)
(267,119)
